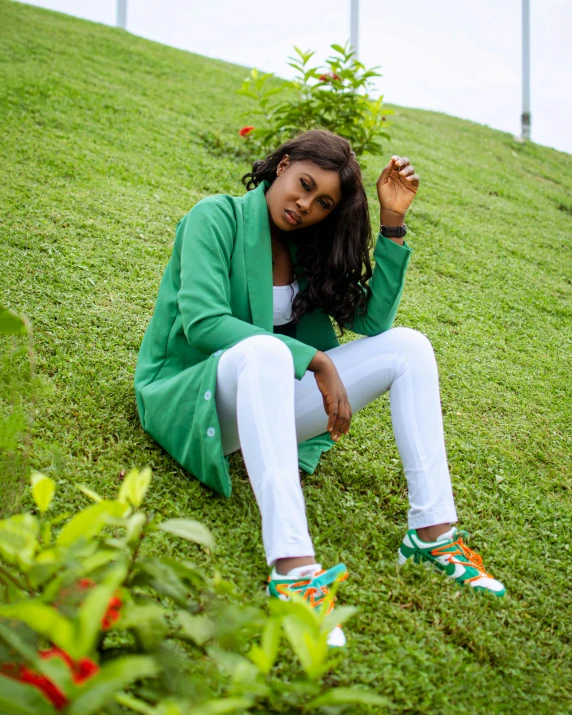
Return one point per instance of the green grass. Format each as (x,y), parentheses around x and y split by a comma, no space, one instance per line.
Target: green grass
(102,156)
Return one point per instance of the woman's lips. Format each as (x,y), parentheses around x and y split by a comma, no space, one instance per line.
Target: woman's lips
(292,217)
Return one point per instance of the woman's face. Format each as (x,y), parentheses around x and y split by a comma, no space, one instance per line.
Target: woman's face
(301,195)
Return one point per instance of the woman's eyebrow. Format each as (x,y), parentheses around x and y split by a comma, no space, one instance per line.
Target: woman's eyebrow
(327,196)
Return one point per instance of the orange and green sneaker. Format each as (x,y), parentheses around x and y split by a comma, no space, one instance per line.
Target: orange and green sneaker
(451,556)
(312,583)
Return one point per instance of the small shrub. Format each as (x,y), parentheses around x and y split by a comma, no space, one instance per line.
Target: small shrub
(90,622)
(335,98)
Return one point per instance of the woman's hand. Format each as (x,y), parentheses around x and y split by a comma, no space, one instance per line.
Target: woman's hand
(396,189)
(336,403)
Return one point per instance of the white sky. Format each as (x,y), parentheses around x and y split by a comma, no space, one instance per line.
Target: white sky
(455,56)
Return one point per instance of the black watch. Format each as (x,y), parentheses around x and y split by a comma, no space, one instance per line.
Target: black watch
(393,231)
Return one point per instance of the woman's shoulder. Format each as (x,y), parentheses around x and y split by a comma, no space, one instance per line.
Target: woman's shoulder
(215,203)
(212,208)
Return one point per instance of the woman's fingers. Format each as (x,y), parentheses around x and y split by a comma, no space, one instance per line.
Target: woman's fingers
(332,416)
(342,424)
(396,163)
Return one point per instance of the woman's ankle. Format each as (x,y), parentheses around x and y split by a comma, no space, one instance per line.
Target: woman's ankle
(284,566)
(432,533)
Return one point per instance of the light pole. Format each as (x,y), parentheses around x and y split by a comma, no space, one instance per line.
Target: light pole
(354,24)
(526,116)
(122,14)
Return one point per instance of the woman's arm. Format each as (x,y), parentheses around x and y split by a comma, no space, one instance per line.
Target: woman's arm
(386,285)
(206,243)
(396,189)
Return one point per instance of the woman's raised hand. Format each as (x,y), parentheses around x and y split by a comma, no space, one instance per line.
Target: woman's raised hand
(397,186)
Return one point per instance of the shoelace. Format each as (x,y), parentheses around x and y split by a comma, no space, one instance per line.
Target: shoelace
(461,549)
(316,588)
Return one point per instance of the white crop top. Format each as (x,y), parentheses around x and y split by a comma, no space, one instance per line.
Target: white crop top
(283,297)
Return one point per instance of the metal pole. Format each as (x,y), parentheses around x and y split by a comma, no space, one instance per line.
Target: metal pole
(354,25)
(526,115)
(122,14)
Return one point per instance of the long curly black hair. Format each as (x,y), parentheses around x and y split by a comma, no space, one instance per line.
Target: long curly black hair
(334,253)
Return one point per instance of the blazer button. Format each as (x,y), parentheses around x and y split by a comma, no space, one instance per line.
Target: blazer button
(211,432)
(208,395)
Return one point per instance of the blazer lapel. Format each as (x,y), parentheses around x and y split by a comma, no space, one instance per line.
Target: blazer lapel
(258,256)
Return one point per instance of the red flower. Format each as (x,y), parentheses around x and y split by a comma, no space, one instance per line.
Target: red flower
(245,131)
(81,670)
(113,611)
(328,77)
(112,614)
(85,583)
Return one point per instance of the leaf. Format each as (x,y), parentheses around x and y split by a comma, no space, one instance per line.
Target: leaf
(99,559)
(219,707)
(89,522)
(21,699)
(135,526)
(11,637)
(164,579)
(189,530)
(114,676)
(138,706)
(92,610)
(170,707)
(148,622)
(264,655)
(43,489)
(338,617)
(346,696)
(199,629)
(43,619)
(310,647)
(11,324)
(18,540)
(89,493)
(134,487)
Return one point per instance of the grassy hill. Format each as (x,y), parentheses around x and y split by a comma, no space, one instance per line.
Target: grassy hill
(101,156)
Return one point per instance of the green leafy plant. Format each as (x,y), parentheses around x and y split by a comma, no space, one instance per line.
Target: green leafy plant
(93,620)
(335,98)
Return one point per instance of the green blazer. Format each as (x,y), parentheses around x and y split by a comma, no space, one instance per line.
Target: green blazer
(216,291)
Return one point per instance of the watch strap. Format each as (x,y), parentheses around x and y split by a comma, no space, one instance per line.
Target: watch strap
(393,231)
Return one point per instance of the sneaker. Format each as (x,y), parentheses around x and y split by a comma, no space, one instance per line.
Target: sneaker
(452,557)
(311,582)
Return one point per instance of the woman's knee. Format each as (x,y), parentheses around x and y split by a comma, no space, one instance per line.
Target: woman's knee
(411,337)
(410,343)
(266,348)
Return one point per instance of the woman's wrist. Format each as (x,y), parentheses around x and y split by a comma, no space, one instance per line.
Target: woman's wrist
(319,361)
(391,218)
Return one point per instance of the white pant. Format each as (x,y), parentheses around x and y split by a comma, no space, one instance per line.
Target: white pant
(265,411)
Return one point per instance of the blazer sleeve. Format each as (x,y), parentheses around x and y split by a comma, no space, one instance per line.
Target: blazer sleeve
(206,239)
(386,283)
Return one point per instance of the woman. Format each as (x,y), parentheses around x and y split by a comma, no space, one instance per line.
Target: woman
(241,354)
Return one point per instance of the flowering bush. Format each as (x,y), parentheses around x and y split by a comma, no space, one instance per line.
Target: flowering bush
(331,100)
(91,623)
